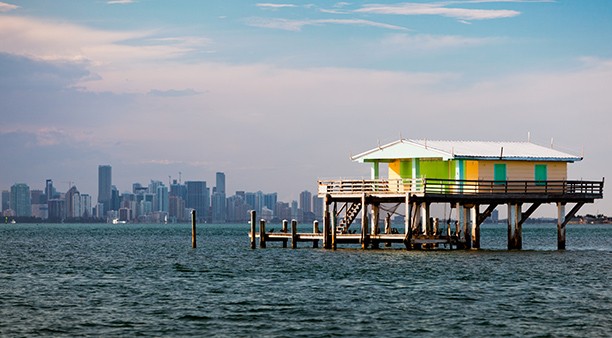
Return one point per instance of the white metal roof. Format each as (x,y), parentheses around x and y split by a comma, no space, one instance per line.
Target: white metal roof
(476,150)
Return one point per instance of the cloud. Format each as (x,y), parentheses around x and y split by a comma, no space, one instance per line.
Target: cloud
(46,40)
(274,6)
(173,92)
(439,8)
(297,25)
(120,2)
(405,42)
(4,7)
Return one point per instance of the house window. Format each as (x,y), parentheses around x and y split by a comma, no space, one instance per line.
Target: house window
(541,174)
(499,173)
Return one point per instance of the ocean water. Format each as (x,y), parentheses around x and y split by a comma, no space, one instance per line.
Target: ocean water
(133,279)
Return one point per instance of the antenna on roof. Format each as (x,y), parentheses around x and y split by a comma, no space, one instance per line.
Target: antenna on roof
(582,151)
(551,143)
(425,143)
(528,136)
(401,138)
(501,153)
(378,140)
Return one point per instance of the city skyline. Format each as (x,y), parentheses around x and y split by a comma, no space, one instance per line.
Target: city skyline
(279,94)
(155,202)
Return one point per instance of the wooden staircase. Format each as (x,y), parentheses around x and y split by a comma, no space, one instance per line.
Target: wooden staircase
(349,216)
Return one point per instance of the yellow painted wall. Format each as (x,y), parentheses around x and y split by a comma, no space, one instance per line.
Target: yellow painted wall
(394,170)
(522,170)
(471,170)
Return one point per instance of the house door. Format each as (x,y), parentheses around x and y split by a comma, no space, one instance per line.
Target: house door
(541,174)
(499,173)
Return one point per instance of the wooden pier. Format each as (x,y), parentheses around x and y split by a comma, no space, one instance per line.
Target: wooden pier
(472,203)
(471,178)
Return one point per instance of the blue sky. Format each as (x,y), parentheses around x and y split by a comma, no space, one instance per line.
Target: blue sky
(279,94)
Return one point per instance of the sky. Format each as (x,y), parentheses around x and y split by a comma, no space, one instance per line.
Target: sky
(280,94)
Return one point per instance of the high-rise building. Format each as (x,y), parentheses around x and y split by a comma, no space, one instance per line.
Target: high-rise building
(73,203)
(317,207)
(198,198)
(20,200)
(220,182)
(162,198)
(6,197)
(218,200)
(270,200)
(104,186)
(305,200)
(49,190)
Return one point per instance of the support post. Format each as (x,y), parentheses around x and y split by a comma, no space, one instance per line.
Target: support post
(364,223)
(293,234)
(388,228)
(315,230)
(334,229)
(515,241)
(284,230)
(561,226)
(375,230)
(424,218)
(326,223)
(193,229)
(475,226)
(253,243)
(262,234)
(467,227)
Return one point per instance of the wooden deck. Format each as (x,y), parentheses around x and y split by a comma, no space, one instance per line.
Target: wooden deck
(471,191)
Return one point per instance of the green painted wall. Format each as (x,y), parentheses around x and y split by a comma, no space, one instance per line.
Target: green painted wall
(406,169)
(437,169)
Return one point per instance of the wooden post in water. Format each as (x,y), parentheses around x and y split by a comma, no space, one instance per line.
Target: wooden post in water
(253,243)
(334,228)
(262,234)
(475,227)
(284,230)
(375,230)
(561,226)
(364,222)
(514,227)
(388,228)
(315,229)
(193,229)
(293,234)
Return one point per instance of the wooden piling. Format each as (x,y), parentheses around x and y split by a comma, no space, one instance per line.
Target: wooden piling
(334,228)
(514,227)
(284,230)
(262,234)
(253,243)
(388,228)
(475,227)
(561,226)
(193,229)
(375,230)
(326,231)
(315,230)
(293,234)
(364,223)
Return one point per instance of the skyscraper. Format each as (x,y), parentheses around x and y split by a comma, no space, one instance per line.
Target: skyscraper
(305,201)
(20,200)
(218,200)
(198,198)
(104,186)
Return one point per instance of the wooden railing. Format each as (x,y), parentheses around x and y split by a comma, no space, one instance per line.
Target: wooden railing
(461,187)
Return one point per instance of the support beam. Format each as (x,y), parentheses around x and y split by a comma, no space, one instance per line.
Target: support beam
(326,222)
(293,234)
(486,214)
(529,212)
(467,226)
(562,220)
